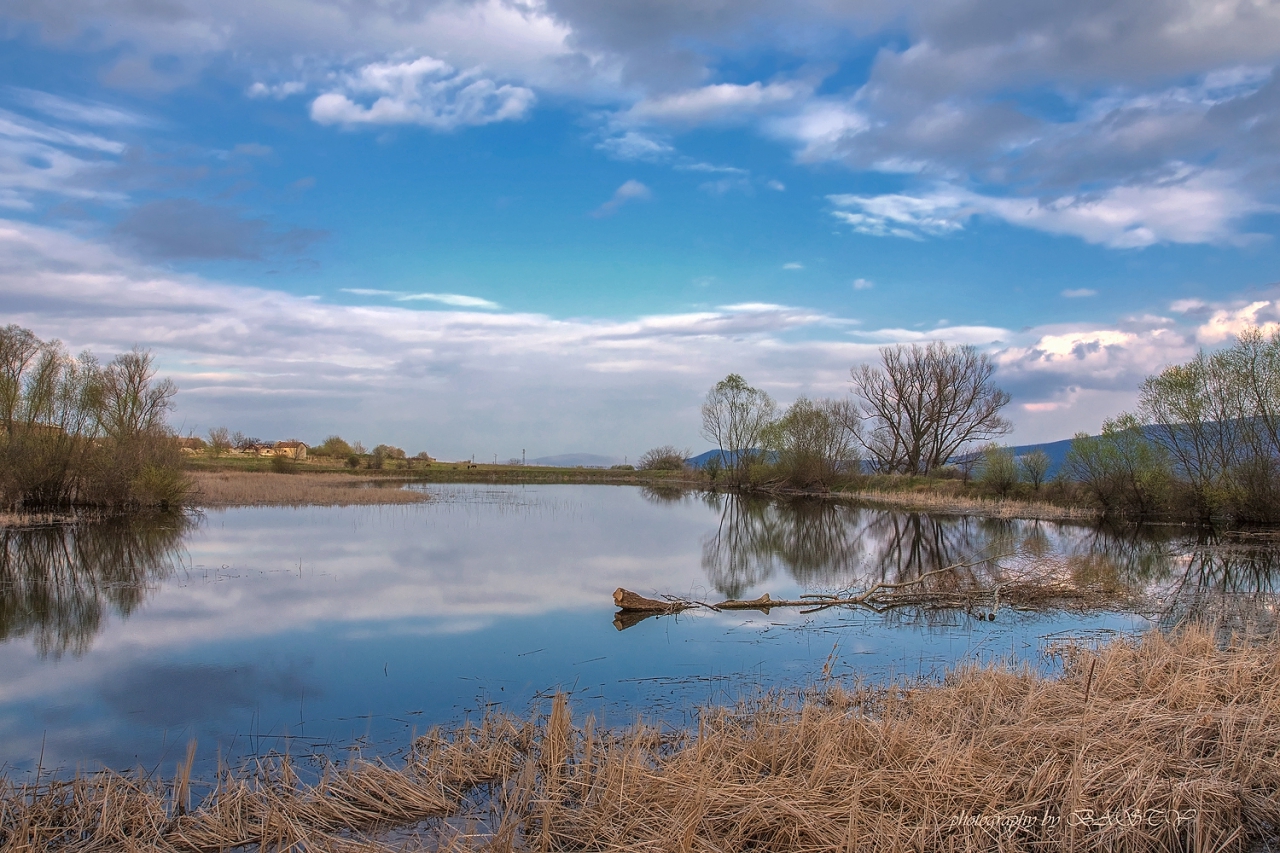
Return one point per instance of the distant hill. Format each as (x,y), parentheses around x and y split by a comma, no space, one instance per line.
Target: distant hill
(573,460)
(1056,450)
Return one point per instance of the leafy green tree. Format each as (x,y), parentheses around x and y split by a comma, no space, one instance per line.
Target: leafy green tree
(332,446)
(1122,469)
(815,441)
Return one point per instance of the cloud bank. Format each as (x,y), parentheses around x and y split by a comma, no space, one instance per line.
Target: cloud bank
(459,381)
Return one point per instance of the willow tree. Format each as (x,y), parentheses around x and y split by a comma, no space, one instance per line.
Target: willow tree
(923,404)
(735,418)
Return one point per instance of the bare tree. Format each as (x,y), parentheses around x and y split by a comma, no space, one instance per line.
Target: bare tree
(735,417)
(668,457)
(219,440)
(925,403)
(1034,467)
(132,403)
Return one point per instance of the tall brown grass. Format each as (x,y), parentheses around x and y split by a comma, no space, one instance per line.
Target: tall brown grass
(245,488)
(1158,744)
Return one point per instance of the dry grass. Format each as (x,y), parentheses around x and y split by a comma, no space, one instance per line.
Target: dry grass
(245,488)
(987,507)
(1162,744)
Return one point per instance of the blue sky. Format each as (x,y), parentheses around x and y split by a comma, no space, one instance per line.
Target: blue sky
(482,227)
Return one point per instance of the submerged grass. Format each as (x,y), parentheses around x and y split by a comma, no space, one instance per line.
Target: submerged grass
(1162,743)
(245,488)
(957,504)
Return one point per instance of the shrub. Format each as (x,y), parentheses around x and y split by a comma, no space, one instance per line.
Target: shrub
(353,461)
(283,465)
(665,458)
(998,471)
(333,446)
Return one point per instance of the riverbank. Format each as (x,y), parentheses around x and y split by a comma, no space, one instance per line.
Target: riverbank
(1164,743)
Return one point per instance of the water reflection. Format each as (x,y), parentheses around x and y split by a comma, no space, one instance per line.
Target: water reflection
(825,545)
(59,584)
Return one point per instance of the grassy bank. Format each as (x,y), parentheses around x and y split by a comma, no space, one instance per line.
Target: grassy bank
(1160,744)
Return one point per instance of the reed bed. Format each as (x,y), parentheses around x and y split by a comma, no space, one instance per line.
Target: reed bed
(1161,743)
(986,507)
(250,488)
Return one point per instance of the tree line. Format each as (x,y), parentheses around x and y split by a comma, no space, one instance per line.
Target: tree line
(910,414)
(1202,443)
(76,432)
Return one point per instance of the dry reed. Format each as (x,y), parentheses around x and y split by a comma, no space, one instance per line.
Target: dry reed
(248,488)
(986,507)
(1163,743)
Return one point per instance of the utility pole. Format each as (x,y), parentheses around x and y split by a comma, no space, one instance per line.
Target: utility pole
(522,456)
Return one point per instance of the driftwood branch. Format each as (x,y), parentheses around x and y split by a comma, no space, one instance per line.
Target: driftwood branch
(634,608)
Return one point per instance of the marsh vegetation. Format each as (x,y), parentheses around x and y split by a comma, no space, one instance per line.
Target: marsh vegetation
(76,433)
(1166,743)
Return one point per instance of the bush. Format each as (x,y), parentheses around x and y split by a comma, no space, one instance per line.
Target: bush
(665,458)
(332,446)
(998,471)
(283,465)
(353,461)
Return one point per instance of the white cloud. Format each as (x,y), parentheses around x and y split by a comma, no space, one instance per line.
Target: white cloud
(423,91)
(278,91)
(794,265)
(38,158)
(634,145)
(863,284)
(821,128)
(632,190)
(369,291)
(1228,322)
(1189,207)
(456,300)
(719,102)
(81,111)
(273,363)
(1079,293)
(779,186)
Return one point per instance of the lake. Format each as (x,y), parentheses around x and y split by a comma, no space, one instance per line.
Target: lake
(322,630)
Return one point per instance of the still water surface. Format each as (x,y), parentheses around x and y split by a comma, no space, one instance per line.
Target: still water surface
(323,629)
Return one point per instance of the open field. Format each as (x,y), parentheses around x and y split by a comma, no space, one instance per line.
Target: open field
(1166,743)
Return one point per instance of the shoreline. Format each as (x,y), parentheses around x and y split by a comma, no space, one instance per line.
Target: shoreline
(1153,743)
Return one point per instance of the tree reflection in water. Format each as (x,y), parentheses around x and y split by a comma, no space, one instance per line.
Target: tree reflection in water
(823,544)
(59,584)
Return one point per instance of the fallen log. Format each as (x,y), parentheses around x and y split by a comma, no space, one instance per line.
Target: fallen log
(625,599)
(634,608)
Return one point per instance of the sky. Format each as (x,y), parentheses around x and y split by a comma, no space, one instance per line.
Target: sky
(549,226)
